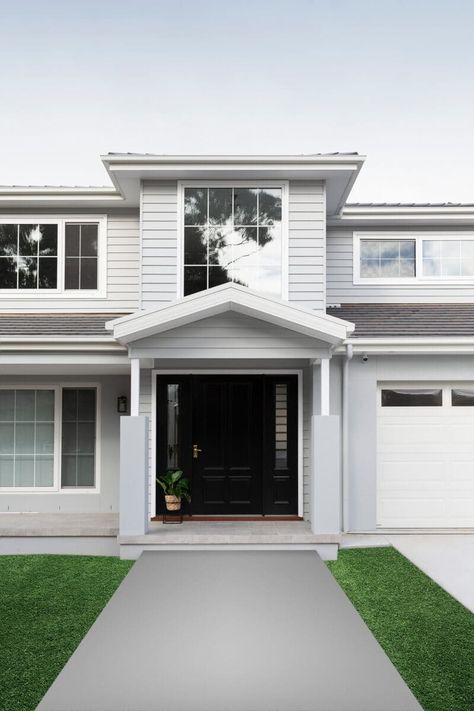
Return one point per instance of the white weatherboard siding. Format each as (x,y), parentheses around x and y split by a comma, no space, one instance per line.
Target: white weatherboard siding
(229,335)
(123,270)
(425,459)
(341,289)
(159,204)
(106,498)
(306,243)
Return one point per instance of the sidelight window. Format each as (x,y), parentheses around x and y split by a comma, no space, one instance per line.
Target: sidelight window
(233,234)
(281,425)
(78,437)
(173,426)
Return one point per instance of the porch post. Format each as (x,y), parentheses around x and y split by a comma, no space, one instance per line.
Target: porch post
(133,519)
(325,455)
(134,387)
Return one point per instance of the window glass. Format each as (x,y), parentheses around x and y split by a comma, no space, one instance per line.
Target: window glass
(387,258)
(78,437)
(26,438)
(462,397)
(416,397)
(173,426)
(233,235)
(448,258)
(81,255)
(281,426)
(28,256)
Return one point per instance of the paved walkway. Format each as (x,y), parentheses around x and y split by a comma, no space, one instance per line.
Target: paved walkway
(448,559)
(229,631)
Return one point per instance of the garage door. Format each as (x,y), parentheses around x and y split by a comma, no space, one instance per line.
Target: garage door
(425,453)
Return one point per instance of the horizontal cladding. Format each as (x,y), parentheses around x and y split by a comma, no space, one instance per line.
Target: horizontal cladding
(123,272)
(306,256)
(159,242)
(341,289)
(306,243)
(227,335)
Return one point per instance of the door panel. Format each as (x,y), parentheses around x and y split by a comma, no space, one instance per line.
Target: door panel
(227,427)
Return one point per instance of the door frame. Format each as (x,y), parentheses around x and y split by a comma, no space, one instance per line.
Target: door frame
(224,371)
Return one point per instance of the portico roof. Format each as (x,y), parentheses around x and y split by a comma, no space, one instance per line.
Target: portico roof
(230,297)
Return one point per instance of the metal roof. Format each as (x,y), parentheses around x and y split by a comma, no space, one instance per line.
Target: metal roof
(399,320)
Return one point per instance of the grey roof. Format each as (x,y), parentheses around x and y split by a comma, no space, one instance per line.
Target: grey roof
(52,324)
(392,320)
(409,204)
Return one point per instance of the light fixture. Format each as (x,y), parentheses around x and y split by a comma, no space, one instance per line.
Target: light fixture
(122,404)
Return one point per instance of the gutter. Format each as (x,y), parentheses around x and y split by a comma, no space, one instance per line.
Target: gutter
(75,344)
(412,345)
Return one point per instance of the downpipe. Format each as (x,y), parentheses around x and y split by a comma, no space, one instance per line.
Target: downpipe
(345,438)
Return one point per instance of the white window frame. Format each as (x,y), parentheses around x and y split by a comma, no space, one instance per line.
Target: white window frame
(61,221)
(418,237)
(283,184)
(56,488)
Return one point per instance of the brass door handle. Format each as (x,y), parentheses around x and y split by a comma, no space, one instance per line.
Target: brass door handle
(196,451)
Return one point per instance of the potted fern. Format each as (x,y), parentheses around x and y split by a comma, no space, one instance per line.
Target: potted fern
(176,487)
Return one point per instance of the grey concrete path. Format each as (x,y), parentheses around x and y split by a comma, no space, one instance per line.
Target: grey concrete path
(229,631)
(447,559)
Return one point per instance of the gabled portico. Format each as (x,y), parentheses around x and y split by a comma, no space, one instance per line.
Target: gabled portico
(251,352)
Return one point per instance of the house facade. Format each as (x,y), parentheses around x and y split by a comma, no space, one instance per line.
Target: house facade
(298,356)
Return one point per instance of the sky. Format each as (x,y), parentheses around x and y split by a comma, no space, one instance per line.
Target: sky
(391,79)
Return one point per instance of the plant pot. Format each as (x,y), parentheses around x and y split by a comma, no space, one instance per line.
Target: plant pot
(173,503)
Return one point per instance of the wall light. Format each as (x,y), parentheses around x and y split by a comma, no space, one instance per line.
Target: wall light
(122,404)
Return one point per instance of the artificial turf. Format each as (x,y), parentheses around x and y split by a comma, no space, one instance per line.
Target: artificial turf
(47,604)
(427,634)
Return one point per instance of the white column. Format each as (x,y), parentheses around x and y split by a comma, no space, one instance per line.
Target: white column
(325,386)
(134,387)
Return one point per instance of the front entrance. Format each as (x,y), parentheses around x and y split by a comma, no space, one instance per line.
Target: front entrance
(235,437)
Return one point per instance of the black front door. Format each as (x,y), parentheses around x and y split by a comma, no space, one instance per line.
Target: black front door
(235,437)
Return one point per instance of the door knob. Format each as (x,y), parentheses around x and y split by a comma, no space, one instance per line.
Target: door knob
(196,451)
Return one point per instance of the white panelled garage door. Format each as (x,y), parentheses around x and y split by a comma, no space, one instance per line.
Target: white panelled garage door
(425,455)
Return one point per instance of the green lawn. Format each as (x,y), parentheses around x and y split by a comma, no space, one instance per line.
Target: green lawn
(47,604)
(427,634)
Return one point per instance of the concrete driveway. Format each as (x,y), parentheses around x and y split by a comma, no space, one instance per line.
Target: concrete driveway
(229,631)
(447,559)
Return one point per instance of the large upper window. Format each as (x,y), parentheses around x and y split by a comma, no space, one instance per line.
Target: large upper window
(233,234)
(413,257)
(54,255)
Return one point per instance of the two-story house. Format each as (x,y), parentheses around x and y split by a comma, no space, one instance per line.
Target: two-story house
(299,357)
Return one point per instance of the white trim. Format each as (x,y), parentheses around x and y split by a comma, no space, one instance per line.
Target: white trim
(134,387)
(325,387)
(283,184)
(224,371)
(60,291)
(409,345)
(229,297)
(418,238)
(58,389)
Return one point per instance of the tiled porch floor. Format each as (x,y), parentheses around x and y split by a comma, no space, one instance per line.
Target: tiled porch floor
(229,532)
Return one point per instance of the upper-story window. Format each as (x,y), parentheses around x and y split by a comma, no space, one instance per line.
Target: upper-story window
(413,257)
(233,234)
(48,255)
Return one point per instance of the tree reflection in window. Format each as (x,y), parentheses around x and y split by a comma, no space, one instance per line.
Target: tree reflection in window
(28,256)
(232,235)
